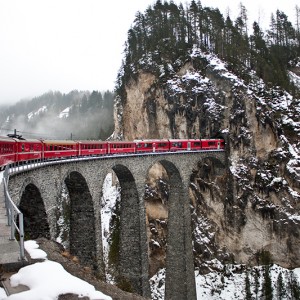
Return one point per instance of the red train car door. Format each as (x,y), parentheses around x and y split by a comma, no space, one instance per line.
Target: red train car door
(189,146)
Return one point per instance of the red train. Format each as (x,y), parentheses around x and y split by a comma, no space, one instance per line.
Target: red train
(13,150)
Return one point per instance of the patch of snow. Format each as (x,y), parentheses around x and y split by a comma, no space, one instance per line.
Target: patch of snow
(2,294)
(65,113)
(36,113)
(295,78)
(47,280)
(32,248)
(157,285)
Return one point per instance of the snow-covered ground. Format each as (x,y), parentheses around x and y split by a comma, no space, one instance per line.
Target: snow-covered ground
(65,113)
(47,280)
(229,283)
(41,110)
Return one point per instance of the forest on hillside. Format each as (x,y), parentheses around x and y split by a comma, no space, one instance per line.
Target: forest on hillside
(54,115)
(163,36)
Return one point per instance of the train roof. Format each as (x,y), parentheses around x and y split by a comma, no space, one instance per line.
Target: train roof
(183,140)
(5,138)
(28,140)
(91,142)
(59,142)
(120,142)
(10,139)
(151,141)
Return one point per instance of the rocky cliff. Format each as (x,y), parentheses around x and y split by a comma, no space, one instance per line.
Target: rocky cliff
(252,210)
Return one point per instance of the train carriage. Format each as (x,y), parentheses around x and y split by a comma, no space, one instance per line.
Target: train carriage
(121,147)
(53,149)
(209,144)
(185,145)
(152,146)
(87,148)
(7,151)
(28,150)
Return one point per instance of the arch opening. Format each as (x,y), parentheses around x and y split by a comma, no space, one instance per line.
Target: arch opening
(34,214)
(124,243)
(156,198)
(110,224)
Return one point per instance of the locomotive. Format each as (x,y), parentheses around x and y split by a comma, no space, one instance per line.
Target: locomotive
(17,150)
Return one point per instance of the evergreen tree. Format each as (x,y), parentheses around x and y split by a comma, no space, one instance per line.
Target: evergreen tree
(247,287)
(280,287)
(167,32)
(267,285)
(294,286)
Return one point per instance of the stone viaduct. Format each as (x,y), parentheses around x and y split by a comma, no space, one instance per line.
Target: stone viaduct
(37,192)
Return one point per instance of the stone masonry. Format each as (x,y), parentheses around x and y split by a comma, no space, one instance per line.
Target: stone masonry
(84,180)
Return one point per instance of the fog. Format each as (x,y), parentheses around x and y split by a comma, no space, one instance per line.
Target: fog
(88,116)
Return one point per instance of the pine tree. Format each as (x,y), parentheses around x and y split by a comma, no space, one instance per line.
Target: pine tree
(247,287)
(267,285)
(280,287)
(294,286)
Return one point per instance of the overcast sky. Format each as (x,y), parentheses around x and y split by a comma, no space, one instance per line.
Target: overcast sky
(62,45)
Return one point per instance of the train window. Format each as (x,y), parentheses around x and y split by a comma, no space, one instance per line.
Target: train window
(161,145)
(197,144)
(178,145)
(23,147)
(211,143)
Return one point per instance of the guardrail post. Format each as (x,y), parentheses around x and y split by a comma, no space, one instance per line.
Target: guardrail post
(21,233)
(12,224)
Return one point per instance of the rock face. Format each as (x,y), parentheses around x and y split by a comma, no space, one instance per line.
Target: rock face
(255,207)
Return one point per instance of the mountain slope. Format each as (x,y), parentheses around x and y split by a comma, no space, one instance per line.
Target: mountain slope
(186,88)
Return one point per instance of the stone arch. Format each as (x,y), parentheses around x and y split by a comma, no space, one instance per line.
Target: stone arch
(180,279)
(82,221)
(130,232)
(34,213)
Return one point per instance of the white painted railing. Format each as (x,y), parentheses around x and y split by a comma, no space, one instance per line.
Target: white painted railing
(12,213)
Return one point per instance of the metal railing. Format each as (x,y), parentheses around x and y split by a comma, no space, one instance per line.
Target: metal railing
(12,213)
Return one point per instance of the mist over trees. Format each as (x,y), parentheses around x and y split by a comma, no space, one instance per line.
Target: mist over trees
(166,33)
(53,115)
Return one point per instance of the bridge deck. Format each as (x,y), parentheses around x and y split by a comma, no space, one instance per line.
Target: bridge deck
(9,249)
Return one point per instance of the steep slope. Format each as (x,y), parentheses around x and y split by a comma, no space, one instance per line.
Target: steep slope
(256,206)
